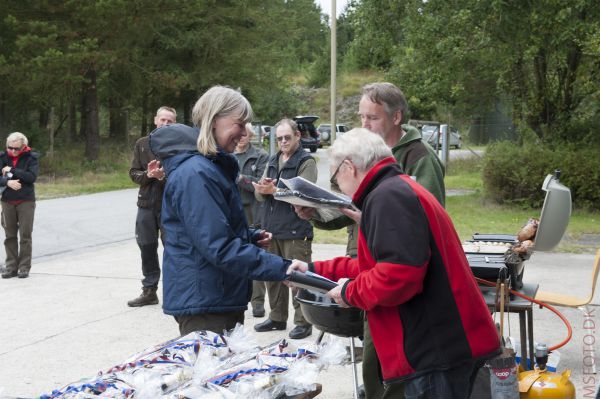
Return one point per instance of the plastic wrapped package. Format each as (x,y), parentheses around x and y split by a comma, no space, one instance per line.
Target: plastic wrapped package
(300,377)
(332,351)
(208,365)
(239,341)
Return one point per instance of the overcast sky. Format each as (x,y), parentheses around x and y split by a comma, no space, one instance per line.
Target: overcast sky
(326,6)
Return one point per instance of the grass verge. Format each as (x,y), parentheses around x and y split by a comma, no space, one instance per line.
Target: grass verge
(471,213)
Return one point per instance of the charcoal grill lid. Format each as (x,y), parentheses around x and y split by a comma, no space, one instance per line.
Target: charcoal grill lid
(311,281)
(555,215)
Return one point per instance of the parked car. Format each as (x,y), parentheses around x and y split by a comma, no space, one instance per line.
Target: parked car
(261,133)
(325,130)
(310,137)
(430,134)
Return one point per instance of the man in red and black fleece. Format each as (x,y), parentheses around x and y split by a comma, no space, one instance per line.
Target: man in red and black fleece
(430,326)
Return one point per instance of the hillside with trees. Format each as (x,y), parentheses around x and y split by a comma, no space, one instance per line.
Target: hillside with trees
(90,74)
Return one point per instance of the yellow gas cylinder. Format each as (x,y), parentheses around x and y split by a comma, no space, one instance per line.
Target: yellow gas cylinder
(541,383)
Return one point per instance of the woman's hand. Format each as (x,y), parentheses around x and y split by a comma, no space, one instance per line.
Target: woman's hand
(264,239)
(297,265)
(336,293)
(14,184)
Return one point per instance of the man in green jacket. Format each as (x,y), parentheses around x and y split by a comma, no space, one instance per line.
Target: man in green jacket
(383,109)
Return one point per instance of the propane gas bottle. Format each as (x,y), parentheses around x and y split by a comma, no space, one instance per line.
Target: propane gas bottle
(543,384)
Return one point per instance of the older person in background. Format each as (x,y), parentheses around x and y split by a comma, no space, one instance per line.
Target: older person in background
(20,169)
(292,236)
(211,256)
(430,326)
(252,162)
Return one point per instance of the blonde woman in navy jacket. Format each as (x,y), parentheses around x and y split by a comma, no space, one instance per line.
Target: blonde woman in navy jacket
(211,255)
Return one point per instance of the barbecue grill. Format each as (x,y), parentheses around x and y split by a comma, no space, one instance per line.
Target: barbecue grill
(489,254)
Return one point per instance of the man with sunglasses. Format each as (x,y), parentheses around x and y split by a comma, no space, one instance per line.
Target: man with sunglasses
(20,169)
(292,236)
(147,171)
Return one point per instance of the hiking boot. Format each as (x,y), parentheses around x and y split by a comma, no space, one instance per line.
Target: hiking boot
(23,273)
(9,274)
(148,297)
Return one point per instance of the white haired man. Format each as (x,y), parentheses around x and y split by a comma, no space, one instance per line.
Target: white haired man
(429,324)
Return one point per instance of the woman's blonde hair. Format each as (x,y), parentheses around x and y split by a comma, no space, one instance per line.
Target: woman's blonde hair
(218,101)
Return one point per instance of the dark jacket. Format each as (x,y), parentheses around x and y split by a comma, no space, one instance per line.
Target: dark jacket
(210,259)
(151,190)
(424,308)
(252,165)
(279,216)
(26,171)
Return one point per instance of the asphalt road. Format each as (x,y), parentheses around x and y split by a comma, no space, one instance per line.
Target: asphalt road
(84,222)
(69,224)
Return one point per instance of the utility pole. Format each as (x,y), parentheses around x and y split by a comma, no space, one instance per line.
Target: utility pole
(333,70)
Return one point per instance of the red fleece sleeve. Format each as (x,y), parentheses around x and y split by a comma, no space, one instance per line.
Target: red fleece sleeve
(386,284)
(337,268)
(394,233)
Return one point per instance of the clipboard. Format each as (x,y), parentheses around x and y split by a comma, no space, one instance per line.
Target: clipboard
(302,192)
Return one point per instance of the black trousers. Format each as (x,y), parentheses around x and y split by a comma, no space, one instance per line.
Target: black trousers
(147,230)
(215,322)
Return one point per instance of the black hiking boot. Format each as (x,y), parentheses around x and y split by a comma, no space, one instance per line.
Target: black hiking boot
(148,297)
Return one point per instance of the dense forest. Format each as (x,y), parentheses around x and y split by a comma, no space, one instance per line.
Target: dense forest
(80,70)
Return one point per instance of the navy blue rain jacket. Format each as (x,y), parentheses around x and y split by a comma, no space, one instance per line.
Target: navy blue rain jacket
(210,259)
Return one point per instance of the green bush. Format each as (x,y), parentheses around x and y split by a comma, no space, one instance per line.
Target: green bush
(514,173)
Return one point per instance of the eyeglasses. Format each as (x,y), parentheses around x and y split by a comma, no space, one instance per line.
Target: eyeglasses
(287,137)
(13,148)
(333,179)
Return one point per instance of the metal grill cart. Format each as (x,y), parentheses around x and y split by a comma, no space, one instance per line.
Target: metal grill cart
(494,256)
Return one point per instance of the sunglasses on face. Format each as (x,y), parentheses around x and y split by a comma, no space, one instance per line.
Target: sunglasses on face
(287,137)
(13,148)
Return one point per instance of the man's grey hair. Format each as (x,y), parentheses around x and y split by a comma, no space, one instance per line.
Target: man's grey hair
(218,101)
(168,109)
(286,121)
(390,96)
(17,136)
(363,147)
